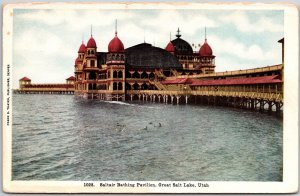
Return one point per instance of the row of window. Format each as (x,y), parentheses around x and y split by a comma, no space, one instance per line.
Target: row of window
(116,57)
(119,86)
(91,52)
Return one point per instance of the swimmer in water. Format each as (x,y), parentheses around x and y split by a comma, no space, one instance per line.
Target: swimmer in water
(159,125)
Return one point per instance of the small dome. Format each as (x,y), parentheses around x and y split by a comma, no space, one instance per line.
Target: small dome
(205,50)
(71,78)
(170,47)
(25,79)
(91,43)
(82,48)
(115,45)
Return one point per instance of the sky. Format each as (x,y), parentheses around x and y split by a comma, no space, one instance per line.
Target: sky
(46,41)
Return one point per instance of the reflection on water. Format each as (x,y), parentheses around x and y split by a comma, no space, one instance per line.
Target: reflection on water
(62,137)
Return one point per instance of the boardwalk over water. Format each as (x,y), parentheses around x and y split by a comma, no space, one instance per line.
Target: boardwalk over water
(271,101)
(258,89)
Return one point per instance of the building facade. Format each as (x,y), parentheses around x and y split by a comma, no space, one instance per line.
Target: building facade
(140,67)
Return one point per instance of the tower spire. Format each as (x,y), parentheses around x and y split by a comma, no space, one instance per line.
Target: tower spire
(91,30)
(178,33)
(170,36)
(116,27)
(205,33)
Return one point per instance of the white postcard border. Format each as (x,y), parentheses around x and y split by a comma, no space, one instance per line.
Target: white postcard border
(290,130)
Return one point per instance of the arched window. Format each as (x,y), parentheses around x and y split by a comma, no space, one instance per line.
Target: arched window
(136,86)
(115,74)
(88,52)
(127,74)
(151,75)
(92,63)
(127,86)
(136,75)
(120,74)
(115,86)
(90,87)
(144,75)
(120,86)
(92,76)
(144,86)
(92,51)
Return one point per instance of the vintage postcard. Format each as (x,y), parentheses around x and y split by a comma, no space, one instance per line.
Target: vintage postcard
(150,98)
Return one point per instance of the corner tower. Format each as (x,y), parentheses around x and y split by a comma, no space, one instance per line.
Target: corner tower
(207,59)
(79,67)
(115,62)
(90,68)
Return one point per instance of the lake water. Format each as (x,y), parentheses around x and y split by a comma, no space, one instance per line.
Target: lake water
(63,137)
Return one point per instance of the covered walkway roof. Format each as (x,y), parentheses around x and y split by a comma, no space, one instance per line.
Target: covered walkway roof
(228,81)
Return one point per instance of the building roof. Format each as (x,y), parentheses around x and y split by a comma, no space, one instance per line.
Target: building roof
(147,56)
(24,79)
(63,86)
(82,48)
(91,43)
(101,58)
(115,45)
(205,49)
(228,81)
(71,78)
(238,81)
(182,46)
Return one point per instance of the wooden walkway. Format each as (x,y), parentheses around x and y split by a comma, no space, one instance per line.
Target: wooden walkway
(271,101)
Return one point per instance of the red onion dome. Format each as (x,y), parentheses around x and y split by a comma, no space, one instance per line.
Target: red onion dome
(170,47)
(205,49)
(115,45)
(91,43)
(82,48)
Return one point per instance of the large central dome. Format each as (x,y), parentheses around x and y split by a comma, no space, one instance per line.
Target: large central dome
(182,46)
(147,56)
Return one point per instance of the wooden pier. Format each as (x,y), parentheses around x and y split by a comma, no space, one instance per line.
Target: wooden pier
(262,101)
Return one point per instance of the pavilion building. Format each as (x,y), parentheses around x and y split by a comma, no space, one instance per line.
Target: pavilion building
(110,74)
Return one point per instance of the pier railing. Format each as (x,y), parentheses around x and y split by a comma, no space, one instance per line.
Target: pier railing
(278,97)
(236,72)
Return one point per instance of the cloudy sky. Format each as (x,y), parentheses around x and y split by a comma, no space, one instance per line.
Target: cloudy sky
(45,42)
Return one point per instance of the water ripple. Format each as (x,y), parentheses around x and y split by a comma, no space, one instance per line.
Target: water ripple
(68,138)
